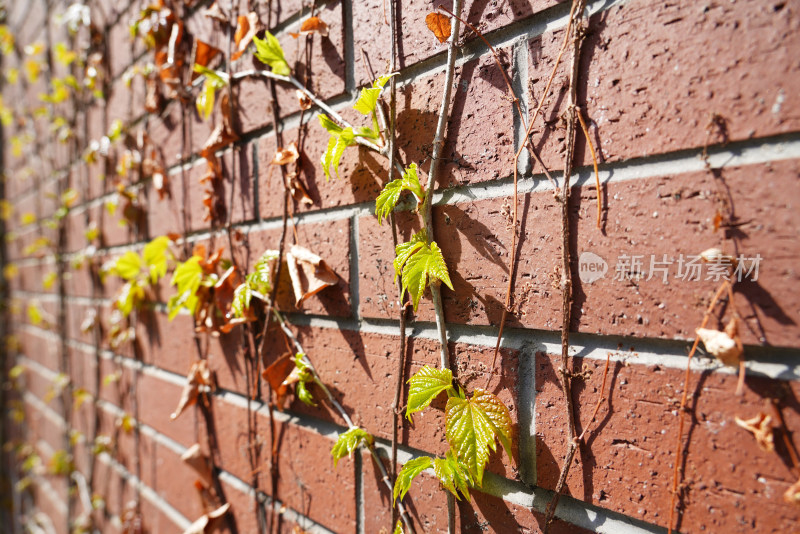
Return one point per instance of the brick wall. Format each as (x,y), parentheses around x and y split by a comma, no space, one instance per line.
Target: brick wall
(660,84)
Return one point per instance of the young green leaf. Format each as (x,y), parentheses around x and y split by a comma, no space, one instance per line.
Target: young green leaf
(328,124)
(471,428)
(368,98)
(403,251)
(269,51)
(241,299)
(155,257)
(398,528)
(387,199)
(129,297)
(336,146)
(129,265)
(187,278)
(426,385)
(260,279)
(424,267)
(453,476)
(409,472)
(348,442)
(304,376)
(498,415)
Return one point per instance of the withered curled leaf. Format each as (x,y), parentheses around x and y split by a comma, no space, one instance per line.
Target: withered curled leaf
(761,427)
(199,375)
(194,458)
(209,522)
(312,25)
(303,99)
(287,155)
(792,495)
(276,375)
(309,273)
(248,27)
(721,345)
(298,190)
(439,24)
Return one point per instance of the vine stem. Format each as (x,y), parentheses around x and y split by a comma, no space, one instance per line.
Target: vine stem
(317,101)
(343,414)
(676,474)
(396,410)
(438,144)
(566,271)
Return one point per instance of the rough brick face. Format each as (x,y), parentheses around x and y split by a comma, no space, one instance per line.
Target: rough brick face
(694,115)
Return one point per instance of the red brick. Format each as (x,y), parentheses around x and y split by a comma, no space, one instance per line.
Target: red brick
(357,367)
(425,502)
(362,172)
(474,239)
(627,465)
(415,41)
(659,95)
(330,241)
(325,495)
(487,513)
(327,73)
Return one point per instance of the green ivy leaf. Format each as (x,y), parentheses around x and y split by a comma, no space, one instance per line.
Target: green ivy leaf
(387,200)
(423,267)
(348,442)
(403,251)
(336,146)
(129,297)
(471,428)
(128,266)
(329,124)
(187,278)
(498,415)
(269,51)
(426,385)
(305,376)
(241,299)
(368,98)
(260,279)
(452,475)
(408,473)
(155,257)
(398,528)
(205,100)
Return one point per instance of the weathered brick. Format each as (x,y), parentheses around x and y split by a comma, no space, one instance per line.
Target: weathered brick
(661,93)
(475,240)
(627,465)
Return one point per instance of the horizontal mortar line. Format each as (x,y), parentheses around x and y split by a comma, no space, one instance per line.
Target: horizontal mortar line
(167,442)
(54,297)
(748,152)
(146,491)
(761,361)
(740,153)
(576,512)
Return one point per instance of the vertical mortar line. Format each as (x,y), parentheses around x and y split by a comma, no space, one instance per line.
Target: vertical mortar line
(349,47)
(358,466)
(526,404)
(355,293)
(256,198)
(519,81)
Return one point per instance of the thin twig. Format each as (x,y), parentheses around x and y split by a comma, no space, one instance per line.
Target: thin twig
(438,144)
(579,113)
(682,412)
(566,270)
(341,411)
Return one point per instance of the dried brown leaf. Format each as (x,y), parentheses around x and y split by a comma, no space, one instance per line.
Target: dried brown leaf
(287,155)
(303,99)
(194,458)
(723,346)
(209,522)
(199,375)
(248,27)
(152,95)
(276,375)
(215,12)
(761,428)
(312,25)
(299,191)
(439,24)
(792,495)
(309,273)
